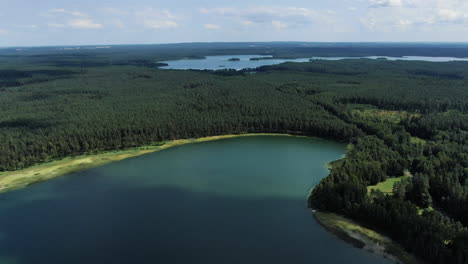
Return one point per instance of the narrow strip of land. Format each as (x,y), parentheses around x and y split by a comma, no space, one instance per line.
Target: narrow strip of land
(11,180)
(364,238)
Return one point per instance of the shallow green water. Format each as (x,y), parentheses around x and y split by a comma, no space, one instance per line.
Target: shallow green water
(238,200)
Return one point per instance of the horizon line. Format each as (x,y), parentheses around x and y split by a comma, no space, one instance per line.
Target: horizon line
(239,42)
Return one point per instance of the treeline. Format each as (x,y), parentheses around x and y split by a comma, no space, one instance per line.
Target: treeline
(427,213)
(436,236)
(396,123)
(10,78)
(131,110)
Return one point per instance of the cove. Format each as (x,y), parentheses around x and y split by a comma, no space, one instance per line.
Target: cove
(239,200)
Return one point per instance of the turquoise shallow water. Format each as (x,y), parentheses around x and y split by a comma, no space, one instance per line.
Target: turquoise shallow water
(240,200)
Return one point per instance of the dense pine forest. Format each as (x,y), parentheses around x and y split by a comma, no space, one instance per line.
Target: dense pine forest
(401,118)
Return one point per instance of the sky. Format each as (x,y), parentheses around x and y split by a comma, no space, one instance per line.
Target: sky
(102,22)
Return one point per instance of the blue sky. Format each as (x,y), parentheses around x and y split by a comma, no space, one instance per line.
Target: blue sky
(90,22)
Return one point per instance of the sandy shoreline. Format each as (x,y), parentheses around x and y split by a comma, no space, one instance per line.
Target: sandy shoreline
(11,180)
(343,228)
(364,238)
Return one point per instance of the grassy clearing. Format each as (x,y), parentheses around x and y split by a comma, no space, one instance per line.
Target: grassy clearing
(416,140)
(386,186)
(382,115)
(422,210)
(364,238)
(10,180)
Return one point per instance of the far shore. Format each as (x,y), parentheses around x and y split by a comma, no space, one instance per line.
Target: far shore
(11,180)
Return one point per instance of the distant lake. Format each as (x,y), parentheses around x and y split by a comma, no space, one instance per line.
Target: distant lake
(223,62)
(240,200)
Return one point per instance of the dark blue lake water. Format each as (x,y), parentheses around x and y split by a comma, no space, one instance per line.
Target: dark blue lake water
(240,200)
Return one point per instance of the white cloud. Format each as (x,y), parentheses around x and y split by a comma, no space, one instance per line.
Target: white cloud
(56,25)
(3,31)
(278,24)
(447,15)
(27,26)
(159,24)
(368,22)
(262,12)
(276,17)
(65,11)
(246,22)
(386,3)
(430,15)
(404,23)
(212,26)
(157,19)
(118,23)
(84,24)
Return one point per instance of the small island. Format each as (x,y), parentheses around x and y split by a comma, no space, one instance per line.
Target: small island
(261,58)
(234,59)
(160,64)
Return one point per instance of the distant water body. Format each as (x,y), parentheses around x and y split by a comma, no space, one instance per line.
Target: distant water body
(240,200)
(224,62)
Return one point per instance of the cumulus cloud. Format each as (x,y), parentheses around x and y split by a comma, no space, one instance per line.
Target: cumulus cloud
(65,18)
(158,24)
(212,26)
(84,24)
(151,18)
(366,19)
(386,3)
(448,15)
(277,17)
(157,19)
(418,14)
(260,13)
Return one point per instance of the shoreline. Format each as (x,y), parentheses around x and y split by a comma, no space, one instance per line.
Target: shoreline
(12,180)
(341,227)
(363,238)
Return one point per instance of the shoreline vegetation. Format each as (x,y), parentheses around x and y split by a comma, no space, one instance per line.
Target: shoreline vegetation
(343,228)
(12,180)
(363,238)
(358,236)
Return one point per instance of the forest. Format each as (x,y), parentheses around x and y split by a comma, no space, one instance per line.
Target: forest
(399,117)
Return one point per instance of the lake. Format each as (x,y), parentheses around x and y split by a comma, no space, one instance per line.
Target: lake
(222,62)
(240,200)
